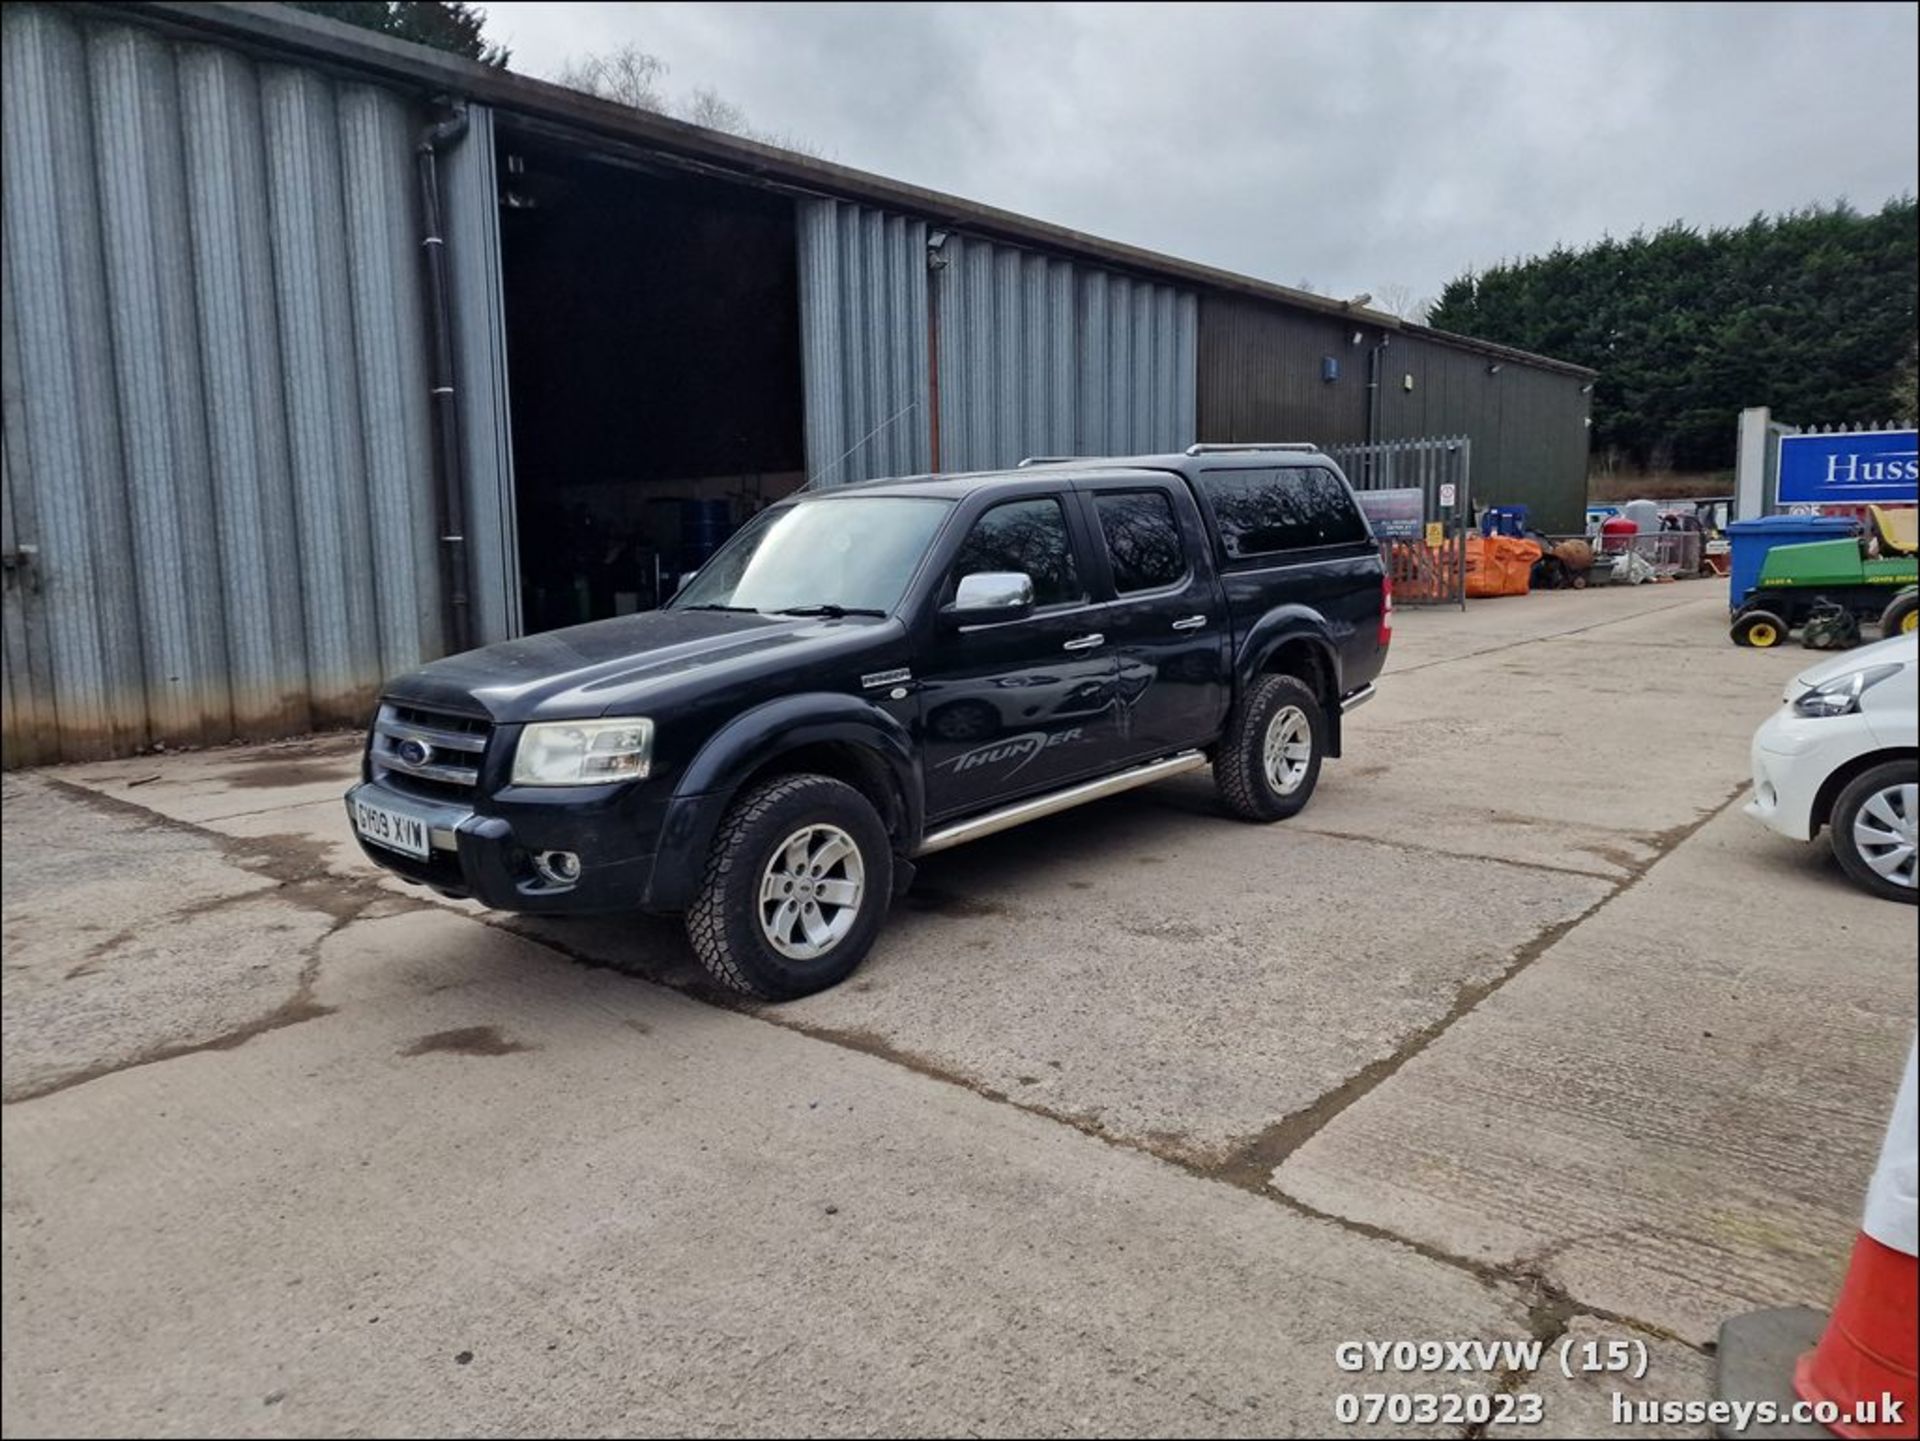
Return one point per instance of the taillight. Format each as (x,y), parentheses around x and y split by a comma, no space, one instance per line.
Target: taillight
(1386,610)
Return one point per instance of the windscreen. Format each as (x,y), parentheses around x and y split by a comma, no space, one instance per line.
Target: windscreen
(853,554)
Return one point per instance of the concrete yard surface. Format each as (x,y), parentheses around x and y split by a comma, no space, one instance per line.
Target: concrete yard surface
(1521,1032)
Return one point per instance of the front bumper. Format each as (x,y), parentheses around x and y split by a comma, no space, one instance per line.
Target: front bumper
(1792,756)
(489,858)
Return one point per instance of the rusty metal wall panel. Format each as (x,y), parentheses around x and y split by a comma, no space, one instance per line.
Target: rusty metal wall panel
(62,377)
(471,224)
(1042,356)
(863,335)
(240,363)
(218,471)
(164,459)
(390,356)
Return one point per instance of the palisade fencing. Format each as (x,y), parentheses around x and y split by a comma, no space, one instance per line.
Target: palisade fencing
(1439,468)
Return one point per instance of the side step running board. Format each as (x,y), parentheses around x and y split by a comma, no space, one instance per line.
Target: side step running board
(1038,806)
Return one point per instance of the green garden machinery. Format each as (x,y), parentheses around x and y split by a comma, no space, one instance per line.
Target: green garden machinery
(1826,589)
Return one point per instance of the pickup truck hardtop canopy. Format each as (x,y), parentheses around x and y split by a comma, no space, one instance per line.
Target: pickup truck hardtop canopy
(1052,470)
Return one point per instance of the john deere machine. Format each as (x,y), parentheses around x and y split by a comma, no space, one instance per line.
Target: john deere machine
(1826,589)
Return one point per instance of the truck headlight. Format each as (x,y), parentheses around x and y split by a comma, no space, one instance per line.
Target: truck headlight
(1841,695)
(583,753)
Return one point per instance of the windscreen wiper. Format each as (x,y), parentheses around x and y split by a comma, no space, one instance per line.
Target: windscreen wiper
(743,609)
(831,612)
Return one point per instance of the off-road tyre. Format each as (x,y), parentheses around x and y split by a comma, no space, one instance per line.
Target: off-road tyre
(724,923)
(1239,764)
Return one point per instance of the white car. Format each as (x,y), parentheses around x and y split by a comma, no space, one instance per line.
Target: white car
(1844,753)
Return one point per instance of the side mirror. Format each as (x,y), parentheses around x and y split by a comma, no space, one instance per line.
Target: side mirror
(991,595)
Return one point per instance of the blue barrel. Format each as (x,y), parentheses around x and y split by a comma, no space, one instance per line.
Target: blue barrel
(704,526)
(1752,539)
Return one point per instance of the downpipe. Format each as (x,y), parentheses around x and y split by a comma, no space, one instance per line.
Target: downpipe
(448,459)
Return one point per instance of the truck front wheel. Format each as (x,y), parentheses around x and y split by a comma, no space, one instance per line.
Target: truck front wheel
(797,884)
(1269,760)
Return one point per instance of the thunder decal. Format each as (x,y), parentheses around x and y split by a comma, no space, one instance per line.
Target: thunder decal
(1018,749)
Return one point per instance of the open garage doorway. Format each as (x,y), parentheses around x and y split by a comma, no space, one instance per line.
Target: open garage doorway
(653,362)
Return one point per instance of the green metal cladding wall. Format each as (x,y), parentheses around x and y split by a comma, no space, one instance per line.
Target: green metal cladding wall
(1261,377)
(1528,425)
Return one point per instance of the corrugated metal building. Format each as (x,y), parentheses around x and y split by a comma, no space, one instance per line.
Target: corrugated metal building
(1266,369)
(221,504)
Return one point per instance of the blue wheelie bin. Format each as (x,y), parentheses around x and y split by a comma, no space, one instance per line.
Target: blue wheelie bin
(1752,539)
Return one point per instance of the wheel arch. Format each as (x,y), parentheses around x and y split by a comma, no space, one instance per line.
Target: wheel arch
(842,736)
(1294,641)
(1843,776)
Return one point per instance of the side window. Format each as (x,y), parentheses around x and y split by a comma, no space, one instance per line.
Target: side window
(1030,536)
(1327,508)
(1289,508)
(1143,539)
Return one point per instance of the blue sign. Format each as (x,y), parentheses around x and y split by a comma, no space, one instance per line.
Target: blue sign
(1858,468)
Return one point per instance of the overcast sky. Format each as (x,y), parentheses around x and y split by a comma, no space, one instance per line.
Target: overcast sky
(1355,147)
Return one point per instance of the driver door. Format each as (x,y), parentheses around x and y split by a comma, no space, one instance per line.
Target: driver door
(1019,707)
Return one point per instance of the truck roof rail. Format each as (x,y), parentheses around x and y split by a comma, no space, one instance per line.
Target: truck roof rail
(1053,460)
(1217,447)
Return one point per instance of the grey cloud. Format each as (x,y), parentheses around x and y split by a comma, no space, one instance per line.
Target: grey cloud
(1353,146)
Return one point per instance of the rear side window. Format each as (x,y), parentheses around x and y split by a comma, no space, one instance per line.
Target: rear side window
(1030,536)
(1143,539)
(1292,508)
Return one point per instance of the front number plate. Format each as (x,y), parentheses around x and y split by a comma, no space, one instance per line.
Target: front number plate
(397,832)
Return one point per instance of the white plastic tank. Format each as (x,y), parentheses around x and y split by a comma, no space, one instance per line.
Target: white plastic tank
(1643,513)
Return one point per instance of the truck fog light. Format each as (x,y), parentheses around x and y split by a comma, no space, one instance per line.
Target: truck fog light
(560,867)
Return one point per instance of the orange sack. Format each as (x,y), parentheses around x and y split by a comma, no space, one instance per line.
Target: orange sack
(1499,565)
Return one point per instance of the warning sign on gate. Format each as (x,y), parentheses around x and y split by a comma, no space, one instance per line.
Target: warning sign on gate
(1448,495)
(1436,532)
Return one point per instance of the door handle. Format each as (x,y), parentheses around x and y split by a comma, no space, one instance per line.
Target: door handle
(1192,622)
(1084,642)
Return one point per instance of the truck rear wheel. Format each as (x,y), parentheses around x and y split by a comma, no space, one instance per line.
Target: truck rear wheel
(796,886)
(1269,760)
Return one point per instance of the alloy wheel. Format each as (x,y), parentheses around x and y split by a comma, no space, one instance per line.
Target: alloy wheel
(810,892)
(1288,749)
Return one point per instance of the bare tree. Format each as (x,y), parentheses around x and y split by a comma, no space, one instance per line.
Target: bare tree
(1397,299)
(634,77)
(708,107)
(627,76)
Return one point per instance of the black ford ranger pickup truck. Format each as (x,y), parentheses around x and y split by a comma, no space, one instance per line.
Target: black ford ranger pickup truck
(868,674)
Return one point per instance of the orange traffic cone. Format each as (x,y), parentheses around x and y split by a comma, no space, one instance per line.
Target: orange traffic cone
(1866,1357)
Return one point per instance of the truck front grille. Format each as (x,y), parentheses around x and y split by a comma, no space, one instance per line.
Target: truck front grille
(430,753)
